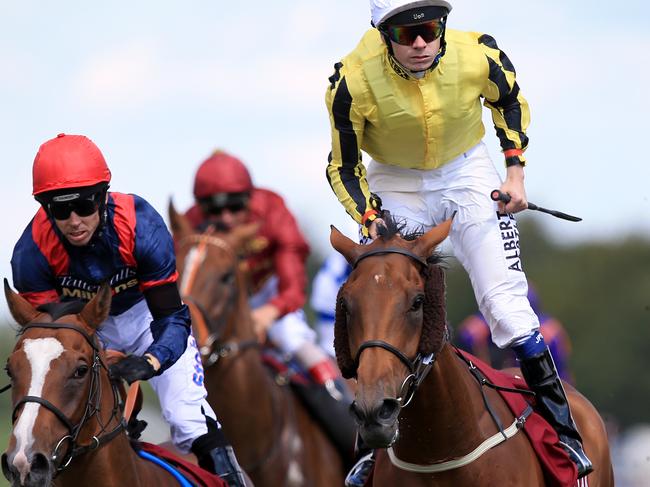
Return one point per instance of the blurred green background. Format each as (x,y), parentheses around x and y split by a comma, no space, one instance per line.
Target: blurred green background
(599,291)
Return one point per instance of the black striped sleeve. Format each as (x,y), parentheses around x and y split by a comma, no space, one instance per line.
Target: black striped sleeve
(503,97)
(345,172)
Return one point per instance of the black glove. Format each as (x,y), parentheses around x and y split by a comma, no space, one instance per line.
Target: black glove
(132,368)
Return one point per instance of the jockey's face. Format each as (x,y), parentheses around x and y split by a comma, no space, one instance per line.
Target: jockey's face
(417,56)
(227,219)
(78,230)
(226,211)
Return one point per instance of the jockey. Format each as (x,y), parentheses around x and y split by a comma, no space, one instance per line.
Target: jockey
(84,235)
(275,258)
(410,96)
(473,335)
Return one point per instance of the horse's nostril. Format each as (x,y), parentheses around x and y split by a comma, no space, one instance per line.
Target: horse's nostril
(388,410)
(5,467)
(40,464)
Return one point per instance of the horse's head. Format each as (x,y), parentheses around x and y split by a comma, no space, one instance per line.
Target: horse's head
(212,283)
(54,370)
(390,319)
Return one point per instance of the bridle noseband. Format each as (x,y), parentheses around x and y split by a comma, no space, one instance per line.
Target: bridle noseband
(418,367)
(93,405)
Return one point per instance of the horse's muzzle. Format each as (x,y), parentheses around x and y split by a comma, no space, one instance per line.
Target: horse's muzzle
(37,474)
(377,423)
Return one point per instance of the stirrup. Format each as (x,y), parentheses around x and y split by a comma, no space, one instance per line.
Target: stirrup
(579,457)
(360,473)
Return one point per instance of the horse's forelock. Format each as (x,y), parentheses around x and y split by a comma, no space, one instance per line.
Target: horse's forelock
(434,322)
(341,339)
(58,309)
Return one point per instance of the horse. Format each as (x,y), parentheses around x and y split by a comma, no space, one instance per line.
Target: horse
(68,428)
(275,438)
(417,401)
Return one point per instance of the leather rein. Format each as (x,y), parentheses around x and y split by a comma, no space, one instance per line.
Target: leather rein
(209,331)
(93,405)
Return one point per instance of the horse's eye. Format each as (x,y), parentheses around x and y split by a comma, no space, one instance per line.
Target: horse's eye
(417,303)
(81,371)
(8,371)
(227,277)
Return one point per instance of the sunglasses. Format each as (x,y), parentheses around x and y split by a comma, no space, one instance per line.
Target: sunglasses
(218,210)
(82,207)
(407,34)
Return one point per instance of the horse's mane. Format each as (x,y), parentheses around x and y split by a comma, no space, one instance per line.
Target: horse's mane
(434,323)
(58,309)
(394,226)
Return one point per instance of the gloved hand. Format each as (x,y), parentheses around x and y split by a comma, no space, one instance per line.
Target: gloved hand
(132,368)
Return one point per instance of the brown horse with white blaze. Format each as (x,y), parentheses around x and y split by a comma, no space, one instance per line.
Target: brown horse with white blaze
(276,440)
(67,423)
(416,400)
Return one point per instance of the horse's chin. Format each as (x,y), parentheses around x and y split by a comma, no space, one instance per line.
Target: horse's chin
(378,436)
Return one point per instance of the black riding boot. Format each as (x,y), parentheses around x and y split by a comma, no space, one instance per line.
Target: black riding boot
(551,402)
(360,472)
(216,456)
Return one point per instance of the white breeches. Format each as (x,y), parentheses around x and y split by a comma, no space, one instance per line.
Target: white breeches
(484,241)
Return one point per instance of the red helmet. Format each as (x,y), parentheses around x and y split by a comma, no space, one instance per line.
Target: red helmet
(221,173)
(68,161)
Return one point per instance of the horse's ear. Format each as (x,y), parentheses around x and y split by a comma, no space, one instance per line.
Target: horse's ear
(22,311)
(241,234)
(96,311)
(345,246)
(428,242)
(180,225)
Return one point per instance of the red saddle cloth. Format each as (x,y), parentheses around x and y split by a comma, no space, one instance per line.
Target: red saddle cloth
(192,472)
(559,470)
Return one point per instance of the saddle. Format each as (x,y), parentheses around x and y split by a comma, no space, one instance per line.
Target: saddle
(559,470)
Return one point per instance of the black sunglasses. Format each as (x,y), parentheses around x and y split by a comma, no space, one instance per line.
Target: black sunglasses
(82,207)
(218,210)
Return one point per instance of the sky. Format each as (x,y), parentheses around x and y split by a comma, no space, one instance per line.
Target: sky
(159,85)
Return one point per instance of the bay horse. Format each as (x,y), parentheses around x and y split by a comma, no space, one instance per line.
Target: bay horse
(276,440)
(416,400)
(68,428)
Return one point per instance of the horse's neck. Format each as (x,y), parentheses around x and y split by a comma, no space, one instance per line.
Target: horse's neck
(443,419)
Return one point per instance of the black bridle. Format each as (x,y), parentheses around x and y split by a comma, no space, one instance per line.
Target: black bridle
(92,407)
(419,366)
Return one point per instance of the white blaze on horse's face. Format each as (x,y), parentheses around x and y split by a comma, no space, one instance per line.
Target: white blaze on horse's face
(379,278)
(193,260)
(40,352)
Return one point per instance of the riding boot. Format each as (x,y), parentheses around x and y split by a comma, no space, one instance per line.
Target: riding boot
(551,402)
(216,456)
(360,472)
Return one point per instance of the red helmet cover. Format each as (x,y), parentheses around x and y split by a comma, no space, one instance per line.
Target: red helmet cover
(221,173)
(68,161)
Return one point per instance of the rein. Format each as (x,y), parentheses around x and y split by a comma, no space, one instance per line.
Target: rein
(92,406)
(209,332)
(489,443)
